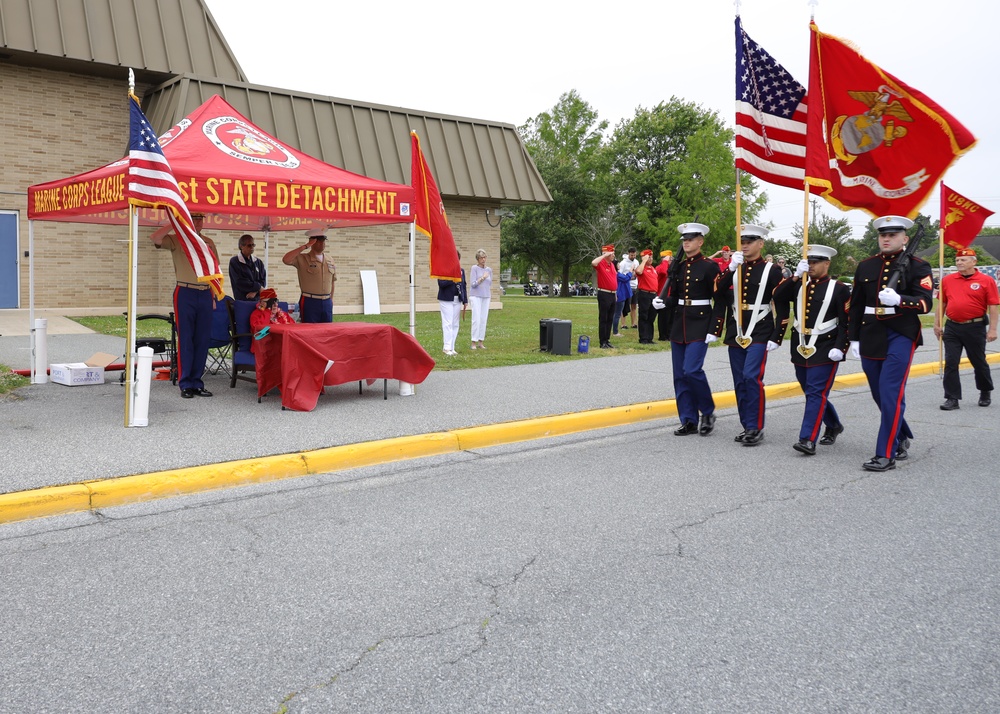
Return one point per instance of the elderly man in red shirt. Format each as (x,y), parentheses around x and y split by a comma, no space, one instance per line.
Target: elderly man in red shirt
(966,298)
(607,289)
(646,274)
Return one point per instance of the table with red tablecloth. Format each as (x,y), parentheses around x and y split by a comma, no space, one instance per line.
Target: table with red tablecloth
(300,359)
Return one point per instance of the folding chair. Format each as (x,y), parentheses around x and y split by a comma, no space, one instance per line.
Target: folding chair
(160,345)
(242,358)
(221,342)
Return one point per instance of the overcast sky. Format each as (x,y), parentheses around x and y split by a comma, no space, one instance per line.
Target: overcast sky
(510,62)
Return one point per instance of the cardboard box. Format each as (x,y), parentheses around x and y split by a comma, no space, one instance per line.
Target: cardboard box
(74,374)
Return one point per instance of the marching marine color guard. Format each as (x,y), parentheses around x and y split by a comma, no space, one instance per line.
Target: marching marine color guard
(818,342)
(884,331)
(688,295)
(743,300)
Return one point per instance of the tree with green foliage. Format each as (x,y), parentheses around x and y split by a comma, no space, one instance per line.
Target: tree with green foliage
(671,164)
(563,143)
(834,233)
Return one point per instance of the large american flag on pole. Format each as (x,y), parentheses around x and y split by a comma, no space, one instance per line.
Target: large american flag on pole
(770,116)
(151,183)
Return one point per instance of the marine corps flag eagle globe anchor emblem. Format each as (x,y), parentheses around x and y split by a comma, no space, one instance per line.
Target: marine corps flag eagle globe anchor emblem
(851,136)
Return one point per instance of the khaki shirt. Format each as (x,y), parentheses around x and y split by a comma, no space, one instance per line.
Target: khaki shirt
(182,267)
(315,276)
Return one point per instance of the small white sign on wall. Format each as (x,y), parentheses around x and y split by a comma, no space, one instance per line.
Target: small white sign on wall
(369,286)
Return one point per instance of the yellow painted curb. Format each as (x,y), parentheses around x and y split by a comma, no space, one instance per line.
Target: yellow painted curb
(97,494)
(352,456)
(41,502)
(162,484)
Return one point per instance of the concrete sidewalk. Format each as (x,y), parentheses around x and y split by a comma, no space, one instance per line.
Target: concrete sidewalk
(68,435)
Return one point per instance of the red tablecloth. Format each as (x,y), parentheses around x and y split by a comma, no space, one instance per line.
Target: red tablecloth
(299,359)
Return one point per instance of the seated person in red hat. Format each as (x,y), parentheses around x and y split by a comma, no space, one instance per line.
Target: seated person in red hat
(268,313)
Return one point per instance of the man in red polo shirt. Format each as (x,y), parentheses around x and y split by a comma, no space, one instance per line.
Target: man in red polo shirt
(646,274)
(607,289)
(661,279)
(966,298)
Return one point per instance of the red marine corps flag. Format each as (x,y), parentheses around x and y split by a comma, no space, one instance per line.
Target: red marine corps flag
(961,218)
(874,142)
(430,217)
(151,183)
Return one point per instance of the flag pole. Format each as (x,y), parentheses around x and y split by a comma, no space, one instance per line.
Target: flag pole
(800,303)
(738,274)
(939,308)
(413,286)
(133,262)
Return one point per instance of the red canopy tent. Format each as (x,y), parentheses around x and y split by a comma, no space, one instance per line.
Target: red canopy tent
(232,170)
(235,173)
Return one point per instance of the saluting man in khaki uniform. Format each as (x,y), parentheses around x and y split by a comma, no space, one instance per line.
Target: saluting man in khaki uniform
(317,275)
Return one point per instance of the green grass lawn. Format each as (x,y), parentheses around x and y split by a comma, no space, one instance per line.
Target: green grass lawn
(511,334)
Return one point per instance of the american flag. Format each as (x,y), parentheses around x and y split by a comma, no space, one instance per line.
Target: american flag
(770,116)
(151,183)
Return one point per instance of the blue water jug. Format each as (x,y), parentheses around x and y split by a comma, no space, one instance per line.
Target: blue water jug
(583,346)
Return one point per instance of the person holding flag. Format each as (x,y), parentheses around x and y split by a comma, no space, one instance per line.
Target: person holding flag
(970,301)
(743,301)
(891,290)
(819,341)
(151,183)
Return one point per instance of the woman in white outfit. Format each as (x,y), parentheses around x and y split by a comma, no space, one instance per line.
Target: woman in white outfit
(452,297)
(481,280)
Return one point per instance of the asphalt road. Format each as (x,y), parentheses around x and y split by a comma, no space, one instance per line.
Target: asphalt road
(619,570)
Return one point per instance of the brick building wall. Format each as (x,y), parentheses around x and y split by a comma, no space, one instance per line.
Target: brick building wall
(57,124)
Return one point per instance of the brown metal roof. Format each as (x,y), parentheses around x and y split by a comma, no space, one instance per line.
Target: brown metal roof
(157,38)
(470,158)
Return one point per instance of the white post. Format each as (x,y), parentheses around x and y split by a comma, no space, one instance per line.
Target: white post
(405,388)
(40,352)
(144,368)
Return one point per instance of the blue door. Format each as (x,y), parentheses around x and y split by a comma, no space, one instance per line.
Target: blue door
(8,259)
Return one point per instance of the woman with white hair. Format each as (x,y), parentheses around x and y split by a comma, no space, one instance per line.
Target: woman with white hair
(481,280)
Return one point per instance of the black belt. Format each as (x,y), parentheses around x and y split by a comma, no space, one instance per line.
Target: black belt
(968,322)
(314,296)
(651,292)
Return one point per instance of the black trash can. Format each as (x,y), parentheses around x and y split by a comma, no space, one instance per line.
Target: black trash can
(559,336)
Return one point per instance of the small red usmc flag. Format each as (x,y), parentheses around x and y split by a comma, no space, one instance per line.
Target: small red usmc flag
(961,218)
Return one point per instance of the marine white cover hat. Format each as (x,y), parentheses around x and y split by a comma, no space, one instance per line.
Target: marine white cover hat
(820,251)
(692,229)
(892,224)
(316,233)
(749,230)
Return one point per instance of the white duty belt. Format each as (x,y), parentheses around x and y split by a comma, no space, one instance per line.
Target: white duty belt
(682,301)
(880,310)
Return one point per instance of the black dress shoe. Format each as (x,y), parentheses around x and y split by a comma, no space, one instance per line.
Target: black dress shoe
(685,429)
(707,424)
(903,449)
(879,463)
(753,437)
(949,404)
(984,399)
(830,435)
(201,392)
(605,345)
(804,446)
(740,437)
(187,393)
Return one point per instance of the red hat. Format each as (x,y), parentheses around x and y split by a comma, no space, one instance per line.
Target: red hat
(268,293)
(646,252)
(965,253)
(726,248)
(608,248)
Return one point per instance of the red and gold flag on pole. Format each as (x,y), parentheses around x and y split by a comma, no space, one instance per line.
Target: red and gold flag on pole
(961,219)
(874,143)
(431,219)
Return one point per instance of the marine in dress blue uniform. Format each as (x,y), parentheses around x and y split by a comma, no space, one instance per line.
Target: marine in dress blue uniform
(689,295)
(756,334)
(818,341)
(884,331)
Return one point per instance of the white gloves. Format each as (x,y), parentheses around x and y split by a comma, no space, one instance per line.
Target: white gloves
(771,346)
(856,350)
(836,355)
(889,297)
(709,339)
(735,261)
(802,268)
(658,304)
